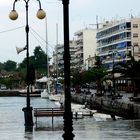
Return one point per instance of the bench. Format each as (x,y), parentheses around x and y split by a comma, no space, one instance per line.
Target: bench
(48,112)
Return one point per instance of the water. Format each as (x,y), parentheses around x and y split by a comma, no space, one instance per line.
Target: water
(89,128)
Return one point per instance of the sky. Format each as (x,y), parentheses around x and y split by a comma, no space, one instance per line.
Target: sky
(82,14)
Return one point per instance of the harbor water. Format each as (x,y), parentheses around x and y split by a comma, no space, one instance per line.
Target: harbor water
(98,127)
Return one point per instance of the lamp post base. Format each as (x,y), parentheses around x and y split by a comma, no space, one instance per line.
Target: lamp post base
(28,118)
(68,135)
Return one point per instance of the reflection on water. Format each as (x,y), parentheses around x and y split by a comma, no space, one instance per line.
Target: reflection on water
(12,124)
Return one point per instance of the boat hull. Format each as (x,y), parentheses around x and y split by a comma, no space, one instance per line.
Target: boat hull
(44,94)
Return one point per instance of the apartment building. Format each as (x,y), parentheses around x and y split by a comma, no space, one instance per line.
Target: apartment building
(58,61)
(85,46)
(118,38)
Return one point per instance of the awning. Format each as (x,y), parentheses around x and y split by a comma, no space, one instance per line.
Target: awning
(44,79)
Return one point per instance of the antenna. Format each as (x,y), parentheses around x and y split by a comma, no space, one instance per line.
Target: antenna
(131,16)
(97,22)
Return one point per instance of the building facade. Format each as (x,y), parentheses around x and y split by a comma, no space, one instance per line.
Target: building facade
(118,38)
(58,61)
(85,46)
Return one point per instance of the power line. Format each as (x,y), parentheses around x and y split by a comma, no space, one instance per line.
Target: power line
(38,35)
(11,29)
(40,42)
(41,37)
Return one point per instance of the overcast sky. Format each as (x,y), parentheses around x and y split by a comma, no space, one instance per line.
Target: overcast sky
(82,13)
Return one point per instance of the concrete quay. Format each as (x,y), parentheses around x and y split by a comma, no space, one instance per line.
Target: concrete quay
(122,107)
(9,93)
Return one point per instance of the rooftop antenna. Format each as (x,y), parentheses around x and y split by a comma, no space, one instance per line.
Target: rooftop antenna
(97,22)
(131,16)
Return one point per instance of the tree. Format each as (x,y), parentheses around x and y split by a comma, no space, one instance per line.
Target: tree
(131,70)
(99,72)
(40,60)
(10,65)
(1,66)
(76,80)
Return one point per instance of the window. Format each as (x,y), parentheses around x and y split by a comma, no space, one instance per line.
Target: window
(135,35)
(135,44)
(128,25)
(135,25)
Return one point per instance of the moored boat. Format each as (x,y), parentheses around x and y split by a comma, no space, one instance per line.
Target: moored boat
(56,97)
(33,93)
(45,94)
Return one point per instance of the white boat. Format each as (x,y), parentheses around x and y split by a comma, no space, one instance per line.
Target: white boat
(45,94)
(104,117)
(56,97)
(81,110)
(33,93)
(47,81)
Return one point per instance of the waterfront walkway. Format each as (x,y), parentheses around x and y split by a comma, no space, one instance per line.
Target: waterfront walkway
(88,128)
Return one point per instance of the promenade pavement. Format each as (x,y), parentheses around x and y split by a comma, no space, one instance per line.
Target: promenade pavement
(125,95)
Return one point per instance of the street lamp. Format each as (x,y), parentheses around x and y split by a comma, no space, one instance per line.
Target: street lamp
(113,78)
(113,75)
(13,16)
(68,135)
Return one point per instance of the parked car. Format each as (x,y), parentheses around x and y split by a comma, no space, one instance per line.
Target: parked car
(3,87)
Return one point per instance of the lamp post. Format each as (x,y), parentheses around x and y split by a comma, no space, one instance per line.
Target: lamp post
(68,135)
(13,16)
(113,76)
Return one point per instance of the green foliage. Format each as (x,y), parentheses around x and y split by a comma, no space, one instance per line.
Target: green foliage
(95,74)
(99,73)
(76,80)
(131,70)
(11,75)
(10,65)
(40,60)
(1,66)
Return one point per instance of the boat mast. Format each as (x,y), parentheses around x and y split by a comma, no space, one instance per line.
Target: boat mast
(56,56)
(48,74)
(47,58)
